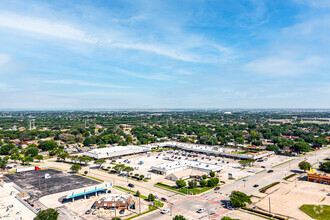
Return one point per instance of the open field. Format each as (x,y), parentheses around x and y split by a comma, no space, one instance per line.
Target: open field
(287,198)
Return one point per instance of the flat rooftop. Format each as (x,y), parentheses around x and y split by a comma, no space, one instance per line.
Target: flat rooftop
(187,164)
(59,181)
(116,151)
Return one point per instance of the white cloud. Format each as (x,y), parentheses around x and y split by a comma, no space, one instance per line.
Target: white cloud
(120,38)
(83,83)
(282,66)
(43,26)
(155,76)
(315,3)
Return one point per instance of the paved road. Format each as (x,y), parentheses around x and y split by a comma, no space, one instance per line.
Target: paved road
(188,206)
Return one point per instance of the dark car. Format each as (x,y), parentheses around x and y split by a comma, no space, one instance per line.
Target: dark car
(122,211)
(131,185)
(270,171)
(163,199)
(217,188)
(256,185)
(88,211)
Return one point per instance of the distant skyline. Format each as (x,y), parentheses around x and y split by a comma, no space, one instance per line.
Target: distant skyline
(164,54)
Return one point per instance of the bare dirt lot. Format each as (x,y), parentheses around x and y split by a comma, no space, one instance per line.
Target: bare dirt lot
(287,197)
(35,183)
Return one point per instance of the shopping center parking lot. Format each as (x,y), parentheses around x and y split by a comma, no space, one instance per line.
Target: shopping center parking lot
(142,163)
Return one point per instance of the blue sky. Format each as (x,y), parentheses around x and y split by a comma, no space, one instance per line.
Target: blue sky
(164,54)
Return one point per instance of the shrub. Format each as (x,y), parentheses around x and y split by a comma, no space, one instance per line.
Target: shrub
(202,183)
(151,197)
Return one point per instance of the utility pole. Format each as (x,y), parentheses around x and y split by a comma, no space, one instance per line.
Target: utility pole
(270,211)
(139,204)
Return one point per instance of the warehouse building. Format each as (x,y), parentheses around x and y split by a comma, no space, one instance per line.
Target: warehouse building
(118,151)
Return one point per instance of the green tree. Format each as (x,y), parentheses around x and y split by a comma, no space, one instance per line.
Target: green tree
(202,183)
(32,150)
(228,218)
(192,183)
(325,167)
(48,145)
(75,167)
(63,156)
(27,159)
(304,165)
(39,157)
(301,147)
(180,183)
(128,170)
(15,157)
(272,148)
(212,182)
(179,217)
(100,162)
(6,149)
(48,214)
(204,176)
(212,174)
(3,162)
(137,194)
(151,197)
(118,168)
(88,141)
(239,199)
(85,172)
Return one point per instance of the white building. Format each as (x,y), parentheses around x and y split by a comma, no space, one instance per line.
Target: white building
(214,150)
(177,166)
(118,151)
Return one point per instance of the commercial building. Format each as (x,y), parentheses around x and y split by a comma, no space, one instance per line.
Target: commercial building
(104,187)
(185,174)
(114,201)
(177,166)
(316,119)
(214,150)
(118,151)
(318,177)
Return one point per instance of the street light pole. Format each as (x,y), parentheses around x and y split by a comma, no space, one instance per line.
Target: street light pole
(270,211)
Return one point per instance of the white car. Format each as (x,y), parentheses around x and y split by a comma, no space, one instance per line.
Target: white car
(164,211)
(201,210)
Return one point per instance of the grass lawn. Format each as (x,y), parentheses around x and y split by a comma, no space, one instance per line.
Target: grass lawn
(282,163)
(90,177)
(157,203)
(320,212)
(191,191)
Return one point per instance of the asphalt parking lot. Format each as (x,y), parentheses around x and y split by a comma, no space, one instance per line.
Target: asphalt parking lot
(34,182)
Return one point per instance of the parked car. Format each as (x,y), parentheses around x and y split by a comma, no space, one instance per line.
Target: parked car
(88,211)
(95,212)
(201,210)
(217,188)
(270,171)
(263,167)
(164,211)
(163,199)
(122,211)
(256,185)
(131,185)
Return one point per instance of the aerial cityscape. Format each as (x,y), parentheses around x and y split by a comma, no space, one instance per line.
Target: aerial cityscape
(165,110)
